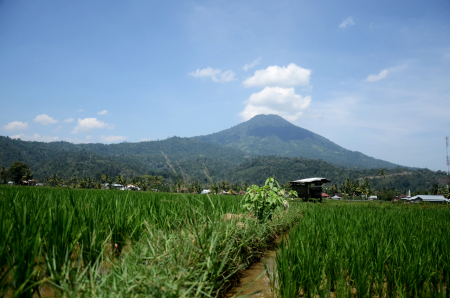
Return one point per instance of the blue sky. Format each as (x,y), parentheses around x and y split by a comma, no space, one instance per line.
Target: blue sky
(371,76)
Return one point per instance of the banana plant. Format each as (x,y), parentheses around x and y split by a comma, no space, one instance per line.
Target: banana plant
(262,201)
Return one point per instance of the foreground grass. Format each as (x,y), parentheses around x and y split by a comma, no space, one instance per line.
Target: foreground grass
(366,250)
(96,243)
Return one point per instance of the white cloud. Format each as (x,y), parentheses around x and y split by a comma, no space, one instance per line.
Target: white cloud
(289,76)
(45,119)
(88,124)
(251,65)
(347,22)
(104,112)
(276,100)
(205,72)
(145,140)
(80,110)
(68,120)
(216,74)
(15,125)
(373,78)
(111,139)
(35,137)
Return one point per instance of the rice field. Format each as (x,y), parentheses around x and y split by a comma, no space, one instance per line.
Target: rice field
(366,250)
(109,243)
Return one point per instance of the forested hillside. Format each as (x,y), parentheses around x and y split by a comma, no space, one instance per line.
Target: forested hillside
(286,169)
(174,157)
(272,135)
(192,160)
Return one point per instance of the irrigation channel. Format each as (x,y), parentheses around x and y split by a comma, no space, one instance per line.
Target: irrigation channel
(255,280)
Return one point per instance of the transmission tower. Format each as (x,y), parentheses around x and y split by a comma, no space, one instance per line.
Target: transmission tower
(448,161)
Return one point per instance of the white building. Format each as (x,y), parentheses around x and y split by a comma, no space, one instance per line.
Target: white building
(439,199)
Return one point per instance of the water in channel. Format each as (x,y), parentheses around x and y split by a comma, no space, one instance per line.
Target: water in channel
(261,286)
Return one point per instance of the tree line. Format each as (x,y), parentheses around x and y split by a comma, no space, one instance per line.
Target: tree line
(381,182)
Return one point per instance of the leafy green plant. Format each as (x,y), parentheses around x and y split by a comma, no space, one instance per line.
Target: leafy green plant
(262,201)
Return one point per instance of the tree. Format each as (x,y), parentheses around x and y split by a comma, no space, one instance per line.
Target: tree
(54,180)
(74,180)
(118,179)
(124,182)
(27,176)
(3,175)
(106,179)
(214,189)
(382,173)
(196,187)
(143,184)
(18,170)
(434,190)
(333,189)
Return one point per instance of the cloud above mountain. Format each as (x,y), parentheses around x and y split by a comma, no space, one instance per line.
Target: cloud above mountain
(284,76)
(276,100)
(45,119)
(15,125)
(88,124)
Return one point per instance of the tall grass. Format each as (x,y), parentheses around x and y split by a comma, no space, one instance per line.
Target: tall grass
(120,243)
(371,249)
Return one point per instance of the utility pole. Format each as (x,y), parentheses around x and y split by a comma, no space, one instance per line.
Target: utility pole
(448,160)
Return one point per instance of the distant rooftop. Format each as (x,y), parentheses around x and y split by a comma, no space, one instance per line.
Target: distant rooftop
(310,180)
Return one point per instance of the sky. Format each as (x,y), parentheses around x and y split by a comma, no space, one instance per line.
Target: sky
(371,76)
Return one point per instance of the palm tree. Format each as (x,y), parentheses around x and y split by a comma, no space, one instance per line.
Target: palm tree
(434,189)
(333,189)
(118,179)
(54,180)
(105,178)
(156,180)
(124,182)
(89,182)
(143,184)
(382,173)
(74,180)
(28,175)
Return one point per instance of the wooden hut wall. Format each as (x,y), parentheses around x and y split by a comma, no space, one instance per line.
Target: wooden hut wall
(302,190)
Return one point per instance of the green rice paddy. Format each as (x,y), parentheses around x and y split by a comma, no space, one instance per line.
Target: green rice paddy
(366,250)
(109,243)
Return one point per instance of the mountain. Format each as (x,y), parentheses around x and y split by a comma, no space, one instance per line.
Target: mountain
(272,135)
(174,157)
(192,160)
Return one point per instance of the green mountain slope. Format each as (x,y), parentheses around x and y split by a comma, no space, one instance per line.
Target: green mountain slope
(175,157)
(272,135)
(256,170)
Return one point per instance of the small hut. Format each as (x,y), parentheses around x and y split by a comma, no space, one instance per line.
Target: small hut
(309,188)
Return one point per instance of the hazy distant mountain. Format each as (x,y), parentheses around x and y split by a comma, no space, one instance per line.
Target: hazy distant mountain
(272,135)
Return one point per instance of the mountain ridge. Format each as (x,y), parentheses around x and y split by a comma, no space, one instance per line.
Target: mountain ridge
(273,135)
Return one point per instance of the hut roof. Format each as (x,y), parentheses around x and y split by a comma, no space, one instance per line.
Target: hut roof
(311,180)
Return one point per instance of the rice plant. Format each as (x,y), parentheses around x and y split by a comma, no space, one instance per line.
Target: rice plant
(366,249)
(120,243)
